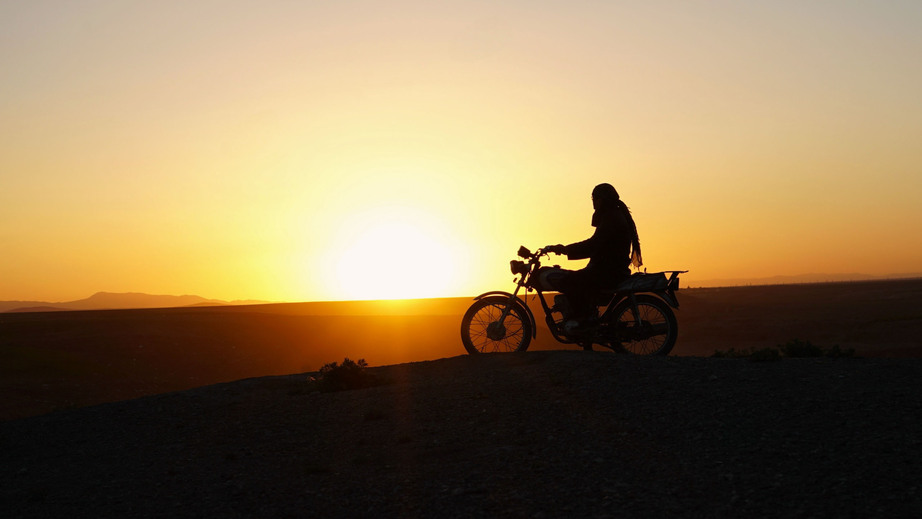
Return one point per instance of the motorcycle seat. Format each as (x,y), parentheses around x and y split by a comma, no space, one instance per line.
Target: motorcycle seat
(640,282)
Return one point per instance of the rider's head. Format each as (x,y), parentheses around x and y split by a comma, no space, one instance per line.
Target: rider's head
(604,195)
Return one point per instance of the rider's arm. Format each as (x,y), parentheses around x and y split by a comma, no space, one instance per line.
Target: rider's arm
(583,249)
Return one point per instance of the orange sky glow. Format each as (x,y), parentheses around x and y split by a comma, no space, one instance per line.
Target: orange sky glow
(296,151)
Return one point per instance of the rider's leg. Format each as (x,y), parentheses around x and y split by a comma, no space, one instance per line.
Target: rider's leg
(579,286)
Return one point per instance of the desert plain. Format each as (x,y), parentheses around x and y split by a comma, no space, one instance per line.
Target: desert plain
(206,411)
(58,360)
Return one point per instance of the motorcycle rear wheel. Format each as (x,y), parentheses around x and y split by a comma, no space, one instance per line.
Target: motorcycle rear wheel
(654,333)
(481,331)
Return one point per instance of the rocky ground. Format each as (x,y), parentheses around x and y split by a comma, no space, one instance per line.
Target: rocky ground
(538,434)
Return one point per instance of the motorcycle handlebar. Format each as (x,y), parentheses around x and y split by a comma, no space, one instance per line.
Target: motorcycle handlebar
(543,251)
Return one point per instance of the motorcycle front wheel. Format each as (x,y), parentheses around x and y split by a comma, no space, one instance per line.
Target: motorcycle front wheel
(482,331)
(652,332)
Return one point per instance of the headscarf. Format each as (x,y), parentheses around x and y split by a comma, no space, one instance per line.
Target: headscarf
(605,196)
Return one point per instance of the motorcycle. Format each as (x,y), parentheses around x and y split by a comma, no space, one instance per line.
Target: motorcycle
(636,316)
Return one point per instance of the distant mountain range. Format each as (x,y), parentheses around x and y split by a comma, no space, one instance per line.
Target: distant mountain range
(802,278)
(113,301)
(129,300)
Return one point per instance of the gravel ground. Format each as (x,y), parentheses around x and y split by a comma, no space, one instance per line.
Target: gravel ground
(539,434)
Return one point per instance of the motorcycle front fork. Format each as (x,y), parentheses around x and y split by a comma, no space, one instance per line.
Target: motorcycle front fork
(508,308)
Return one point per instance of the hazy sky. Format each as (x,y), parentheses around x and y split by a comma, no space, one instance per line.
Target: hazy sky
(299,150)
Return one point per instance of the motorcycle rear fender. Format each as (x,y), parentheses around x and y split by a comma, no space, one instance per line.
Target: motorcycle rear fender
(519,302)
(669,297)
(667,294)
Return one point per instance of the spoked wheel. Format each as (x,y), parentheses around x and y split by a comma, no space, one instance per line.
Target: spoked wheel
(483,331)
(652,332)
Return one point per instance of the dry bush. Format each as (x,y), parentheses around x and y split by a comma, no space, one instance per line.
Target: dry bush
(348,375)
(795,348)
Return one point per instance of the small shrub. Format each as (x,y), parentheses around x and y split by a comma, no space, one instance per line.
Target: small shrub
(764,355)
(837,352)
(348,375)
(800,349)
(795,348)
(732,353)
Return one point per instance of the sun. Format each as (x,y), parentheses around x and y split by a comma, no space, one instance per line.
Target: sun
(393,253)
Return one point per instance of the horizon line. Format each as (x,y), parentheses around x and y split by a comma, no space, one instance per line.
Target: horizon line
(206,302)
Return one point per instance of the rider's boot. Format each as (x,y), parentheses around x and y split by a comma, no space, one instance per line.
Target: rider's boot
(586,326)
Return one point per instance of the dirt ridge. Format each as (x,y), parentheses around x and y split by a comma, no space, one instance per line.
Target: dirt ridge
(538,434)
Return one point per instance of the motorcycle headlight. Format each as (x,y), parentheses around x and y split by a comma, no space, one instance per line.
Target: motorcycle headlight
(518,267)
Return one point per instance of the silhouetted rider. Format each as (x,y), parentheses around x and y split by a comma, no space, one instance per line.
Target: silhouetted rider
(611,249)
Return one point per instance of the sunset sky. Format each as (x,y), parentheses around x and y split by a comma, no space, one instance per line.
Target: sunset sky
(308,150)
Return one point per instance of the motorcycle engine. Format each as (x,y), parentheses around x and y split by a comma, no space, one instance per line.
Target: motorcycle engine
(545,280)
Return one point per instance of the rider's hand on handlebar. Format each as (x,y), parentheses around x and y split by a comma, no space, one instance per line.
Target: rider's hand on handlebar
(556,249)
